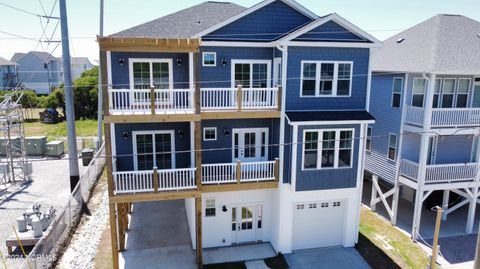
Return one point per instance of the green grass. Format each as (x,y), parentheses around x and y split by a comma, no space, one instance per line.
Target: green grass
(396,244)
(59,130)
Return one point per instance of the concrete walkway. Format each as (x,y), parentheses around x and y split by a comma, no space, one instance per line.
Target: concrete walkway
(238,253)
(326,258)
(159,237)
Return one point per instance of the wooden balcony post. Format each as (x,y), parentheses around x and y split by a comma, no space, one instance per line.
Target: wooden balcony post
(113,235)
(239,171)
(121,229)
(155,179)
(239,98)
(152,99)
(277,169)
(279,98)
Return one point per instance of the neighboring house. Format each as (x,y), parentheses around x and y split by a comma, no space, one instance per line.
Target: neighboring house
(256,120)
(39,71)
(78,65)
(425,96)
(8,74)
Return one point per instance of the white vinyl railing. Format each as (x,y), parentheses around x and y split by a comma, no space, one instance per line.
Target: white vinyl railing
(260,98)
(409,169)
(219,173)
(258,171)
(445,117)
(140,100)
(133,181)
(218,99)
(143,181)
(415,115)
(441,173)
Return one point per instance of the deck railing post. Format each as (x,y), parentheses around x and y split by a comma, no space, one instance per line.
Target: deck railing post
(152,99)
(239,171)
(239,98)
(155,179)
(277,169)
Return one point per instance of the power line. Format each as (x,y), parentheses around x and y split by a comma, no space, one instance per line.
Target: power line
(21,10)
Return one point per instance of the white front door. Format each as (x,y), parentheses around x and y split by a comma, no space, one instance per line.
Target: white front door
(246,223)
(250,145)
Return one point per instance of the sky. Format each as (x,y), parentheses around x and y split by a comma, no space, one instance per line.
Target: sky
(381,18)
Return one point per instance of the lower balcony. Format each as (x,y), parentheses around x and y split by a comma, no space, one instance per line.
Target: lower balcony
(214,178)
(440,173)
(444,117)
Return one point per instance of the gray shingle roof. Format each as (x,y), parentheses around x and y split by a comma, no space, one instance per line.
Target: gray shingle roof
(4,61)
(44,56)
(185,23)
(445,44)
(17,56)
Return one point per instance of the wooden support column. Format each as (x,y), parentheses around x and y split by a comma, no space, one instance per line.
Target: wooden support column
(417,213)
(155,179)
(125,216)
(471,210)
(395,200)
(239,99)
(277,169)
(446,198)
(198,230)
(113,235)
(238,175)
(152,100)
(373,205)
(121,228)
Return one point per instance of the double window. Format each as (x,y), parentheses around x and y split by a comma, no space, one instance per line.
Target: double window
(327,149)
(151,72)
(326,78)
(210,208)
(153,149)
(397,92)
(451,93)
(251,74)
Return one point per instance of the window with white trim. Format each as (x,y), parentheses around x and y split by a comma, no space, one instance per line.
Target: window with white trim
(436,93)
(210,209)
(323,149)
(462,92)
(209,59)
(448,92)
(326,79)
(251,73)
(392,147)
(418,93)
(397,92)
(209,134)
(368,142)
(147,72)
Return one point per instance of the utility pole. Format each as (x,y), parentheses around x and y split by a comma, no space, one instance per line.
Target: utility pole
(433,261)
(100,83)
(476,265)
(67,75)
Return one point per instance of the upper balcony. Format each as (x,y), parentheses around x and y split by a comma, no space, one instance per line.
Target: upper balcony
(213,101)
(440,173)
(215,177)
(444,117)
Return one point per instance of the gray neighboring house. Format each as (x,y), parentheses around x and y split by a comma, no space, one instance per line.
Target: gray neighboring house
(39,71)
(78,65)
(8,74)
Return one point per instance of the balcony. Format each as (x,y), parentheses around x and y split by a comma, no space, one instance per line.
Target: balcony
(444,117)
(182,101)
(155,181)
(440,173)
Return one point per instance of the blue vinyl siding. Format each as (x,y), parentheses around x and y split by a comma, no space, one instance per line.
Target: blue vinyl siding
(265,24)
(287,155)
(221,76)
(220,151)
(360,59)
(327,178)
(453,149)
(121,76)
(124,147)
(411,146)
(330,31)
(387,120)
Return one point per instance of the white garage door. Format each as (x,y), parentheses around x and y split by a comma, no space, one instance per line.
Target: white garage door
(318,224)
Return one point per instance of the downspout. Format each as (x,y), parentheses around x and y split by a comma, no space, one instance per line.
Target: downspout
(284,51)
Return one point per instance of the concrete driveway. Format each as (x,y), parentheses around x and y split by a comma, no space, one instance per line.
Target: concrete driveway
(326,258)
(159,237)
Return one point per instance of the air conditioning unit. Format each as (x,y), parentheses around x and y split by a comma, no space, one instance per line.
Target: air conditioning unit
(55,149)
(36,145)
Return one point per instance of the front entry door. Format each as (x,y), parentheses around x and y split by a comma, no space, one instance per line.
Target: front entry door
(250,145)
(246,223)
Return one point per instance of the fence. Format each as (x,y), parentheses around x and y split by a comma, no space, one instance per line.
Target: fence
(47,250)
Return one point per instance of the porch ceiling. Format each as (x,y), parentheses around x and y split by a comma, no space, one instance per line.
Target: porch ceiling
(144,44)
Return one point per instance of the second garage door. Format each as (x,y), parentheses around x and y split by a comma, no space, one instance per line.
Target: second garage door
(318,224)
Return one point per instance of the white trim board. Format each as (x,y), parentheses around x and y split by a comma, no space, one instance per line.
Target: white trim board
(254,8)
